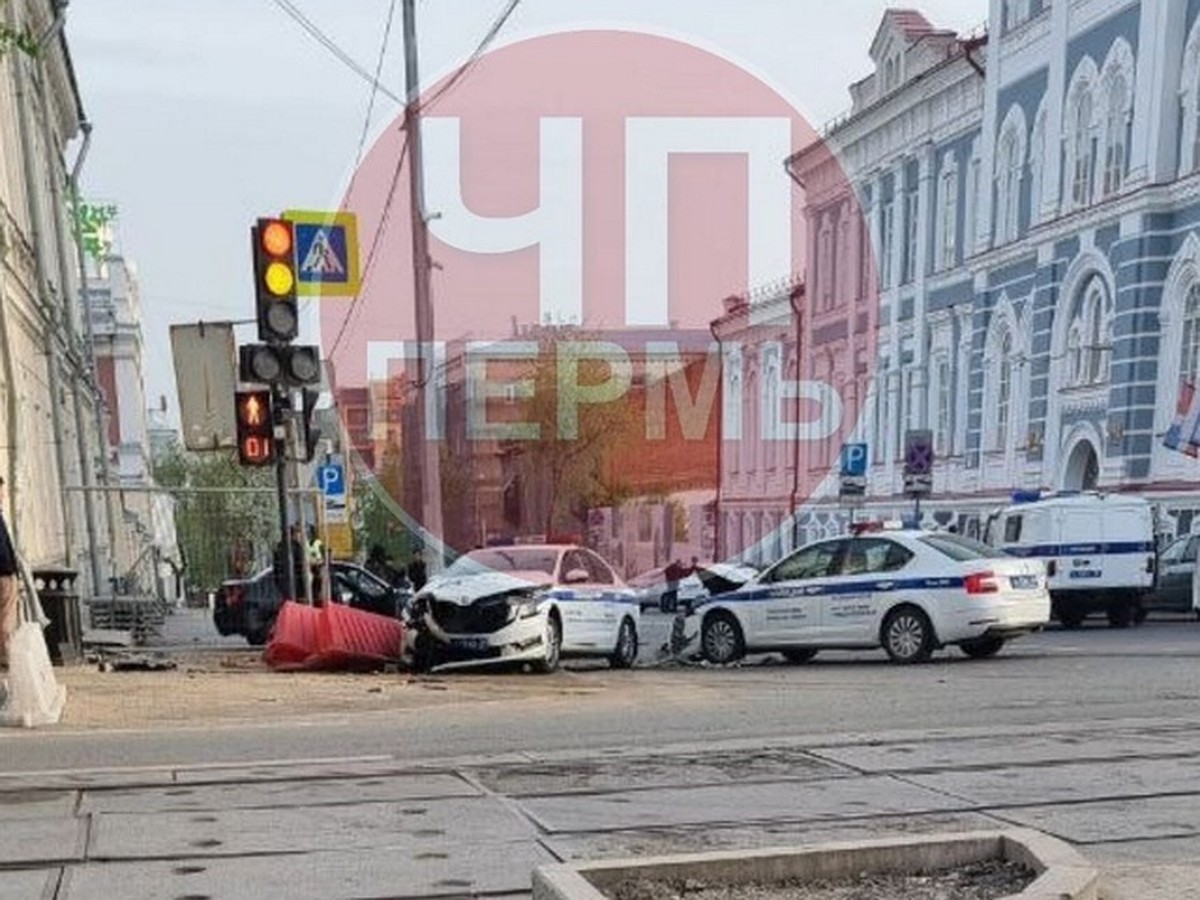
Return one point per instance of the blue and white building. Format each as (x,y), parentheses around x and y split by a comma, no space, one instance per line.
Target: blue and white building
(1027,202)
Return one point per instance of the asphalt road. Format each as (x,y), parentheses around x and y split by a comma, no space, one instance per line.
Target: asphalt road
(1055,677)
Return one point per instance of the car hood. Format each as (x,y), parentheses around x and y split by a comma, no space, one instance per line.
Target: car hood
(466,589)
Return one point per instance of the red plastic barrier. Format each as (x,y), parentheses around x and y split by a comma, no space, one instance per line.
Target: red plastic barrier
(332,638)
(350,638)
(294,638)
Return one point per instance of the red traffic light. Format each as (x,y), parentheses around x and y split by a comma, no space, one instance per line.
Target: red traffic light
(277,237)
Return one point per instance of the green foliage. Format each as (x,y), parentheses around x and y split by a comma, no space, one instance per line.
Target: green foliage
(376,502)
(568,466)
(11,38)
(225,516)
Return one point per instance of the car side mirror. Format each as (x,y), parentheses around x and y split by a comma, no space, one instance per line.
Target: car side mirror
(578,576)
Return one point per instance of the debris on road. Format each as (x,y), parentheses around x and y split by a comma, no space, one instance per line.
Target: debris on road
(333,638)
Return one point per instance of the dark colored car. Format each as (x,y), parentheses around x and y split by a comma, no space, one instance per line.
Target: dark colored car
(248,606)
(1176,565)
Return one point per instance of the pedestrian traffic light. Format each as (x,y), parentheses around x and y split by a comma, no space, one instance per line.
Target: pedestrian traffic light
(312,434)
(255,428)
(274,242)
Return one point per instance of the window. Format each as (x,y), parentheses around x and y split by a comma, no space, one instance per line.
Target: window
(1196,126)
(1083,149)
(598,569)
(912,406)
(1189,360)
(825,264)
(1089,336)
(1012,529)
(912,230)
(879,437)
(942,436)
(1010,172)
(816,561)
(1004,387)
(1116,133)
(948,227)
(845,278)
(887,242)
(1037,165)
(962,549)
(874,556)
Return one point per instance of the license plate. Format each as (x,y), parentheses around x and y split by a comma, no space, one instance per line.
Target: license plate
(470,643)
(1024,582)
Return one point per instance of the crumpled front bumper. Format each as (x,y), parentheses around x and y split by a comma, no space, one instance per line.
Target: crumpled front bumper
(522,640)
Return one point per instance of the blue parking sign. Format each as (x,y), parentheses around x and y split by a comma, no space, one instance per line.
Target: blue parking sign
(331,480)
(854,461)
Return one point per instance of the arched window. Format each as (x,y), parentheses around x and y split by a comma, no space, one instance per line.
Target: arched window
(1189,360)
(947,226)
(1090,335)
(1004,391)
(1010,174)
(1116,132)
(1037,166)
(1083,150)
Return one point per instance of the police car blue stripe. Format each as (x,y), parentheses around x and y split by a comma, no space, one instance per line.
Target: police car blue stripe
(1117,548)
(801,589)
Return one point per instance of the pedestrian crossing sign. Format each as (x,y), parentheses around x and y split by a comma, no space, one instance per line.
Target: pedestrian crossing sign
(327,262)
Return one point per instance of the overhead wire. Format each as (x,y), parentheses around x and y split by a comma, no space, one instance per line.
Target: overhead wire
(329,44)
(489,37)
(383,47)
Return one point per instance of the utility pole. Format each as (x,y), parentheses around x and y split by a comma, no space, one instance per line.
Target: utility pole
(424,489)
(280,445)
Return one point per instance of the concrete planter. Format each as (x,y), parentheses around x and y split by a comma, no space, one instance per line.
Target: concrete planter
(1062,873)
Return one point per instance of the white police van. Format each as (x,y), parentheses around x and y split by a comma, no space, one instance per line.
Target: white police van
(1099,549)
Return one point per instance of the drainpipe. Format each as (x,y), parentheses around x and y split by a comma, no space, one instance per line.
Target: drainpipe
(101,425)
(718,541)
(969,47)
(795,295)
(12,401)
(81,361)
(51,313)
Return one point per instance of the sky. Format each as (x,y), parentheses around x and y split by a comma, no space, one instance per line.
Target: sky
(208,115)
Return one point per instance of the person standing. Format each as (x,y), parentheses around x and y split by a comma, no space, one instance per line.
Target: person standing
(299,565)
(670,598)
(417,573)
(9,600)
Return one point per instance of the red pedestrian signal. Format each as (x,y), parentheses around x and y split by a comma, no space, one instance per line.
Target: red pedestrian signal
(274,244)
(255,428)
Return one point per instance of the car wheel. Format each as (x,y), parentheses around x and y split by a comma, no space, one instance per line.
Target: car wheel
(258,637)
(721,639)
(1196,613)
(625,654)
(908,635)
(1069,618)
(553,641)
(982,648)
(800,656)
(1121,615)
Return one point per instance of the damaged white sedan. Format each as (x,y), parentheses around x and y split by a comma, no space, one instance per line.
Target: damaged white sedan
(532,604)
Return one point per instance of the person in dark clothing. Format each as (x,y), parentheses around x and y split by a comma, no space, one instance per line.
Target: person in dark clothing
(9,602)
(299,565)
(417,573)
(674,574)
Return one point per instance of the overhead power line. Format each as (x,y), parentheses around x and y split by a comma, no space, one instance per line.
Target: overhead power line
(329,44)
(383,47)
(491,35)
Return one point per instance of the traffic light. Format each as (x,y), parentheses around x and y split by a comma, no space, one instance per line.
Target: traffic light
(274,242)
(255,428)
(312,434)
(276,364)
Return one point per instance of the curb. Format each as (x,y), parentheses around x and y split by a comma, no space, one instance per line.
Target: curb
(1062,873)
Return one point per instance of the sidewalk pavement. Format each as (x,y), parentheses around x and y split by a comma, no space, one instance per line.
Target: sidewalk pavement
(1125,793)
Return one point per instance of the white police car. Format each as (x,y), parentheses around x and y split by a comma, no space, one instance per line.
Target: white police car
(910,592)
(533,603)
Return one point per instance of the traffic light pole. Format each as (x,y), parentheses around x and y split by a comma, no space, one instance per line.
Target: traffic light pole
(280,446)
